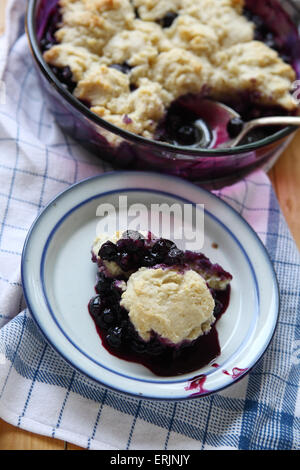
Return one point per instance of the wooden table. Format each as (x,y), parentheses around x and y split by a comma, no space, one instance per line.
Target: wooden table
(285,176)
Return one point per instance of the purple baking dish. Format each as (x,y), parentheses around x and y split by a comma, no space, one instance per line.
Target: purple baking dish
(209,168)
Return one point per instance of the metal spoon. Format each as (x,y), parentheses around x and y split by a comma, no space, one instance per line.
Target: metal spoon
(260,122)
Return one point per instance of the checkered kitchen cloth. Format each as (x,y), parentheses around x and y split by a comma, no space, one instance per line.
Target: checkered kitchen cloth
(39,391)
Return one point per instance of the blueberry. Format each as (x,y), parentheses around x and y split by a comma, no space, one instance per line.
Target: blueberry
(286,58)
(128,328)
(218,308)
(188,134)
(138,346)
(112,298)
(270,41)
(50,37)
(162,246)
(234,127)
(255,136)
(103,285)
(183,127)
(46,44)
(123,315)
(258,36)
(150,260)
(130,245)
(95,307)
(175,256)
(115,292)
(114,337)
(54,69)
(161,250)
(133,235)
(174,121)
(125,261)
(261,28)
(248,14)
(258,21)
(155,348)
(168,19)
(108,251)
(124,68)
(107,318)
(132,87)
(66,74)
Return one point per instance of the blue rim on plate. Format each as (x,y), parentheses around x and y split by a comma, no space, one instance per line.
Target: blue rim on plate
(46,226)
(52,313)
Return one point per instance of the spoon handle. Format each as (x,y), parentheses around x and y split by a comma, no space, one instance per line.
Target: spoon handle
(265,121)
(276,121)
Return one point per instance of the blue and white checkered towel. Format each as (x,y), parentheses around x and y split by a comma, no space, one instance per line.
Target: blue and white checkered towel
(39,391)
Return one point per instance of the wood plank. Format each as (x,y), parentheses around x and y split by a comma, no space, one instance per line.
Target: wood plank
(72,447)
(2,15)
(12,438)
(285,177)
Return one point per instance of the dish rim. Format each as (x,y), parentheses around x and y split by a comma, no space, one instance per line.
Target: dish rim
(189,153)
(88,374)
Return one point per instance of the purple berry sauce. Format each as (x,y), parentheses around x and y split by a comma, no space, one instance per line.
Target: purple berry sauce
(114,327)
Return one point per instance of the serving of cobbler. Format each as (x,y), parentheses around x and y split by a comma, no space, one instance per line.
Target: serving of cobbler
(157,305)
(143,64)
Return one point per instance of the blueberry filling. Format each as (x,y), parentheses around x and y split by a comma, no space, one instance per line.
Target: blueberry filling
(46,44)
(132,87)
(234,127)
(264,34)
(256,135)
(114,327)
(188,134)
(95,307)
(48,39)
(161,247)
(218,308)
(109,252)
(114,337)
(103,285)
(133,235)
(133,253)
(121,339)
(64,75)
(168,19)
(141,252)
(183,127)
(124,68)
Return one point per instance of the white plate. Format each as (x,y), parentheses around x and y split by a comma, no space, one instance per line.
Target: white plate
(59,277)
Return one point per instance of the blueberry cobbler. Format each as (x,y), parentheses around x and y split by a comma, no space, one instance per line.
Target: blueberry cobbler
(156,304)
(140,64)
